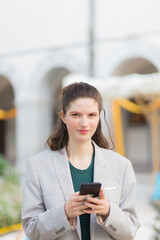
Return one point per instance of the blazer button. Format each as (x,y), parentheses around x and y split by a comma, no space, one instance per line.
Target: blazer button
(112,228)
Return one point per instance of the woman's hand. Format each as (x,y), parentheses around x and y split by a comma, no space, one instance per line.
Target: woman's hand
(98,205)
(75,205)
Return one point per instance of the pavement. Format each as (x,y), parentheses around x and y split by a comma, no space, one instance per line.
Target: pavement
(145,211)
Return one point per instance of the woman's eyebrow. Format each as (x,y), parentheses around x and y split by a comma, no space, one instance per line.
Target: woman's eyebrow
(74,111)
(80,111)
(93,113)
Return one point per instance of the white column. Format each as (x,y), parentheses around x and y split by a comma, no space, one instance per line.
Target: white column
(33,125)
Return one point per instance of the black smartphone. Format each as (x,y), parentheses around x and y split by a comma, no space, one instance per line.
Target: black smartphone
(90,188)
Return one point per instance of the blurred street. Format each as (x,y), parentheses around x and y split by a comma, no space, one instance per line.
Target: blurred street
(145,211)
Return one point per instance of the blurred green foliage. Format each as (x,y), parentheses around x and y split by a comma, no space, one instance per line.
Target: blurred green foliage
(156,226)
(10,194)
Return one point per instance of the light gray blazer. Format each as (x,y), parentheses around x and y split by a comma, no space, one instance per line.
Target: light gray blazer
(48,185)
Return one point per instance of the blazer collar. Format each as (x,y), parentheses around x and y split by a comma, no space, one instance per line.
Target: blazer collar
(99,176)
(62,169)
(99,170)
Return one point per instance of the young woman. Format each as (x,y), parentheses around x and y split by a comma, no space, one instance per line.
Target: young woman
(78,153)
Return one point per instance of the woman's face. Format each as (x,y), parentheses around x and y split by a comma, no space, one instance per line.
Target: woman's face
(81,119)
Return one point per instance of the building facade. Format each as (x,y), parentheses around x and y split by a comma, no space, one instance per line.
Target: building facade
(44,41)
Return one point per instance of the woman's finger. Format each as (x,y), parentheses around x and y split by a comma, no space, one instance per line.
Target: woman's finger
(80,198)
(94,206)
(75,193)
(76,210)
(102,194)
(93,200)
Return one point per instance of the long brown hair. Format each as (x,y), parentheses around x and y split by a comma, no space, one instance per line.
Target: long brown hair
(59,137)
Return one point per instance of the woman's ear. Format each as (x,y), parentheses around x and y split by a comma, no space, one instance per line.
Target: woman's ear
(63,117)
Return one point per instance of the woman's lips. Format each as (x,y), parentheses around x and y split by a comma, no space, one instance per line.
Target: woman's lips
(82,131)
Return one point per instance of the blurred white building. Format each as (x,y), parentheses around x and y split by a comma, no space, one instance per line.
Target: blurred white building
(42,41)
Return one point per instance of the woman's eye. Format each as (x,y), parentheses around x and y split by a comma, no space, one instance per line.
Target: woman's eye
(75,114)
(92,115)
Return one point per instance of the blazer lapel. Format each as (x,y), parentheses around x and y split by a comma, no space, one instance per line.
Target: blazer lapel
(61,166)
(99,165)
(62,169)
(99,176)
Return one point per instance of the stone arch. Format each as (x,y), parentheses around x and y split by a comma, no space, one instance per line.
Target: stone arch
(7,126)
(55,61)
(51,85)
(137,137)
(134,65)
(126,51)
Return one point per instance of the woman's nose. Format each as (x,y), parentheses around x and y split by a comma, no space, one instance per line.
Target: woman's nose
(84,121)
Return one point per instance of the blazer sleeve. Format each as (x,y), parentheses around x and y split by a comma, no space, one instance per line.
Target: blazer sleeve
(39,223)
(122,222)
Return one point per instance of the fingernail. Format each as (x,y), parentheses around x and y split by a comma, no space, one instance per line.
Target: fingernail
(86,198)
(81,210)
(98,197)
(83,202)
(91,195)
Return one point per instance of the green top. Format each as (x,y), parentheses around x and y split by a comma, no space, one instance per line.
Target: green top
(79,177)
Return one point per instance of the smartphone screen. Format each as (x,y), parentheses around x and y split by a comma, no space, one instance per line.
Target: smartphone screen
(90,188)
